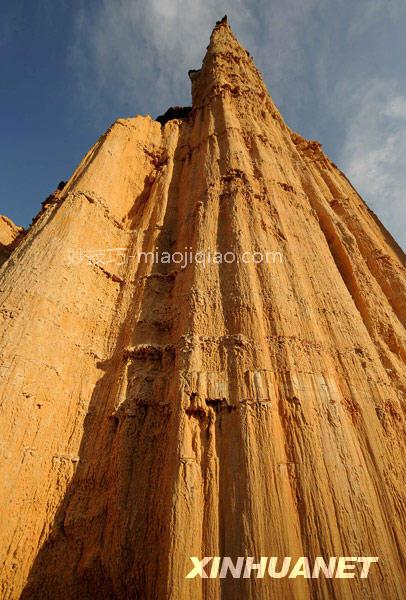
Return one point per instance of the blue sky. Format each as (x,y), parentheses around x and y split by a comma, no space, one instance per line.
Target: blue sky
(68,69)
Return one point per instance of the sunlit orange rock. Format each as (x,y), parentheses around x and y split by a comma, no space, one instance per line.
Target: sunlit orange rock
(151,412)
(10,235)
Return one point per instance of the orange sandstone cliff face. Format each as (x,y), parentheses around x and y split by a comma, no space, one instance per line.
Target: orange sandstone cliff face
(151,413)
(10,235)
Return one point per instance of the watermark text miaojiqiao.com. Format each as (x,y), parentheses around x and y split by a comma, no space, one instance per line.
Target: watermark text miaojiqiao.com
(180,258)
(337,567)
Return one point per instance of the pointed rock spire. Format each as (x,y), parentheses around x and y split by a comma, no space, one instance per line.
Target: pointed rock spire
(227,68)
(153,410)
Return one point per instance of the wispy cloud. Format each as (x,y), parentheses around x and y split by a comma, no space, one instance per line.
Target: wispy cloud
(374,150)
(332,67)
(137,54)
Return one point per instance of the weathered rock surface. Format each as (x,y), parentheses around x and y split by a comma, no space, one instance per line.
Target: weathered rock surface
(152,413)
(9,237)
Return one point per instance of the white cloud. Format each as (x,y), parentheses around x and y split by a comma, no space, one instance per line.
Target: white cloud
(138,53)
(130,56)
(374,150)
(396,107)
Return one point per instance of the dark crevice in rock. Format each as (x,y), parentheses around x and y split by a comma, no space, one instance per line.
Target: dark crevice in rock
(219,404)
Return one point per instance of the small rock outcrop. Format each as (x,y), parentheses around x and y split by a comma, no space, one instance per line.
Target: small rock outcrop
(10,235)
(174,112)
